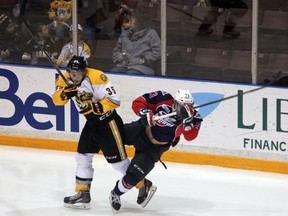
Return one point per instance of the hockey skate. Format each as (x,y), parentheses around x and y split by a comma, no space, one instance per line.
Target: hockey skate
(79,201)
(114,201)
(146,193)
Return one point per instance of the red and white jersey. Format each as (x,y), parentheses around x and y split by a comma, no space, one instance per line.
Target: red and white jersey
(167,129)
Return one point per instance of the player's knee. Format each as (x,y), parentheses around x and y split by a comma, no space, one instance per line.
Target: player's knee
(84,160)
(130,179)
(121,166)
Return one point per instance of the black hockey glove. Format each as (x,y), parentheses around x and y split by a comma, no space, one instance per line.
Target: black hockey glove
(147,120)
(89,108)
(86,96)
(68,92)
(144,111)
(188,124)
(191,122)
(197,120)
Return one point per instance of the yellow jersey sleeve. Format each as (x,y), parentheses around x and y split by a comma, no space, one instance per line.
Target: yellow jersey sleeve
(60,84)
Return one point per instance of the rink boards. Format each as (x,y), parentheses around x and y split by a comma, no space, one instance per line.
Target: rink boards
(249,131)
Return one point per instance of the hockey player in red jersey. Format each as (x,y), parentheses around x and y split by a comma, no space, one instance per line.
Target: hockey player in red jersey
(96,98)
(152,138)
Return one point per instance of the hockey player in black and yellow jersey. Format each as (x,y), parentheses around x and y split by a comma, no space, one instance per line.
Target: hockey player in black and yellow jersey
(96,98)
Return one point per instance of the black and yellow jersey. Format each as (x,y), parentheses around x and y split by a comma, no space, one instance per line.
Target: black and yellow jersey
(95,85)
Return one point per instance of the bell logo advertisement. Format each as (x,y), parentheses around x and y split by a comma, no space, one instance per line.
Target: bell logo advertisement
(249,122)
(26,109)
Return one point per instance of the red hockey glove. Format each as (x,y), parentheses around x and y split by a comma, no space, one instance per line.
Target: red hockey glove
(147,120)
(144,111)
(68,92)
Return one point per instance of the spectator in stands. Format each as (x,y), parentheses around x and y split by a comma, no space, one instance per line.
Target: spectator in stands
(11,38)
(124,12)
(33,54)
(138,47)
(104,10)
(67,50)
(60,13)
(237,9)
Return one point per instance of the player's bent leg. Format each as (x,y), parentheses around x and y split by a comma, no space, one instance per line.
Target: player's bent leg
(140,166)
(122,186)
(121,166)
(115,201)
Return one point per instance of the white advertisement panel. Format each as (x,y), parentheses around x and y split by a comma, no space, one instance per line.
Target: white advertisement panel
(252,125)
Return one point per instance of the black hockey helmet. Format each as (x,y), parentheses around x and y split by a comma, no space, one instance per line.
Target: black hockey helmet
(77,63)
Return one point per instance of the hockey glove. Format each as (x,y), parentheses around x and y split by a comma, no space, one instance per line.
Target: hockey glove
(187,111)
(91,108)
(68,92)
(86,96)
(197,119)
(144,111)
(188,124)
(147,120)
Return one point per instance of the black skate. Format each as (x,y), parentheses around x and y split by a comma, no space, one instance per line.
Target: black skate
(146,193)
(80,201)
(114,201)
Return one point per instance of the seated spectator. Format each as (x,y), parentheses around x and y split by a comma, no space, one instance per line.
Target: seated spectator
(11,39)
(237,9)
(103,10)
(121,18)
(121,21)
(138,47)
(61,14)
(33,54)
(67,50)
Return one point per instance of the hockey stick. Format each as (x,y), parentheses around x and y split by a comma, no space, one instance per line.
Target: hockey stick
(226,98)
(22,13)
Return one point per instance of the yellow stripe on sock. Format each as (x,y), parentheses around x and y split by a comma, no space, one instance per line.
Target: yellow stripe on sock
(140,184)
(81,187)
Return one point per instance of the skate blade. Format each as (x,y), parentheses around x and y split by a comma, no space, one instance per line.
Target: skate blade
(149,197)
(85,206)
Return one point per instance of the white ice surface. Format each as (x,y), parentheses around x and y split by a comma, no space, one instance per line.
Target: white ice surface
(33,182)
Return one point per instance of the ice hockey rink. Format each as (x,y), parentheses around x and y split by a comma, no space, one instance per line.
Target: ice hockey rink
(33,182)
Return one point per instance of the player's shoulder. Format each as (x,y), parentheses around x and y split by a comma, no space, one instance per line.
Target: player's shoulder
(164,94)
(96,76)
(158,95)
(60,81)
